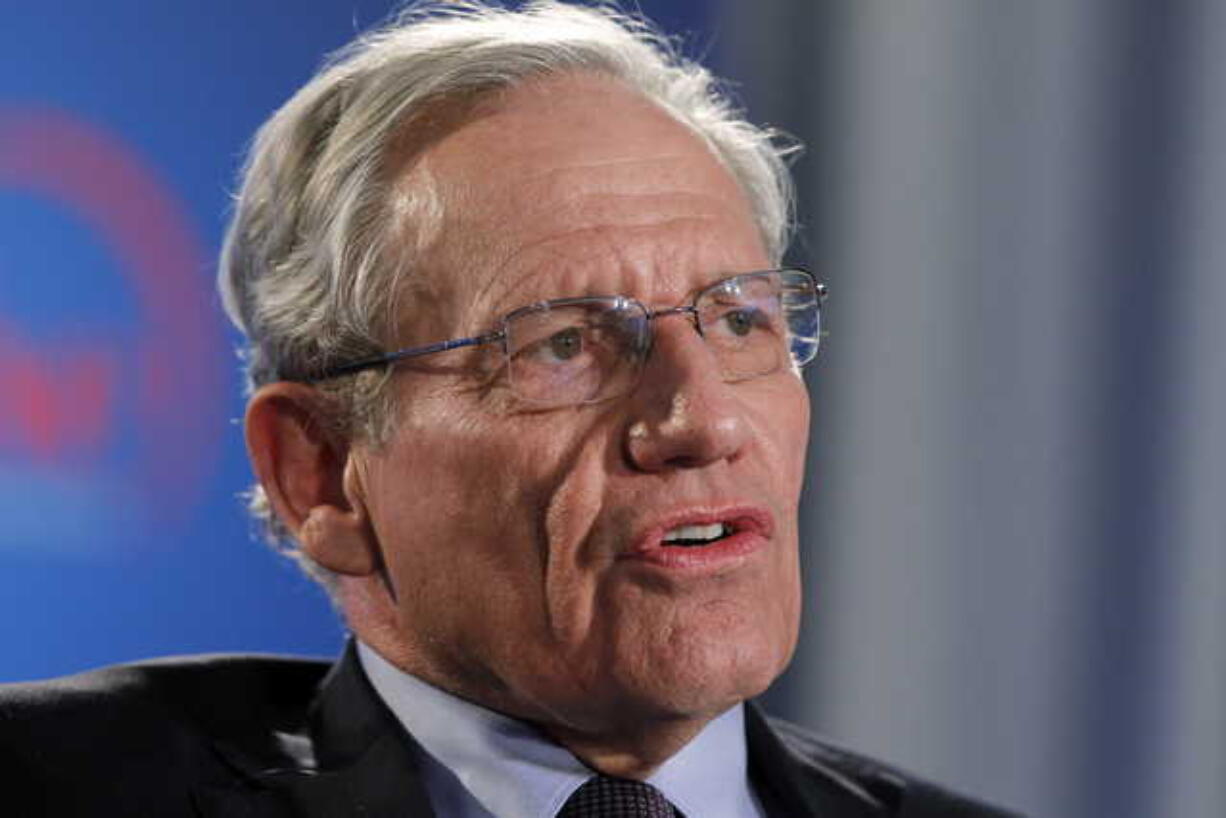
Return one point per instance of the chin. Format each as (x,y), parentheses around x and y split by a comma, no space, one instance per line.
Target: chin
(704,677)
(697,656)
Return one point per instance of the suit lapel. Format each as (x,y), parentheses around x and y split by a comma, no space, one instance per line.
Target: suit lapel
(792,786)
(354,758)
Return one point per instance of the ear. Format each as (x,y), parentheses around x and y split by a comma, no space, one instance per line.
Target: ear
(309,475)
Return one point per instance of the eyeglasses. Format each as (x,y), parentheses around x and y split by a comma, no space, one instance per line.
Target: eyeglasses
(573,351)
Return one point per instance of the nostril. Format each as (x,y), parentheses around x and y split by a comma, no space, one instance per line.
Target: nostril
(691,434)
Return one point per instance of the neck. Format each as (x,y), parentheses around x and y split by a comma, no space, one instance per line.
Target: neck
(635,753)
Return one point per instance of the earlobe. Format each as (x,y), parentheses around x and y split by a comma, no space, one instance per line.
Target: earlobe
(340,540)
(306,471)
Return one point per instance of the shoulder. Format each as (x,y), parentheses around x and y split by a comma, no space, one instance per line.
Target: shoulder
(94,734)
(894,791)
(218,693)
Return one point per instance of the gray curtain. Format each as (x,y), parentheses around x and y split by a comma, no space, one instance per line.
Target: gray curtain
(1015,527)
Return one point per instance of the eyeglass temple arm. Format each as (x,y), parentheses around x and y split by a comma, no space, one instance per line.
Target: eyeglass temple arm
(410,352)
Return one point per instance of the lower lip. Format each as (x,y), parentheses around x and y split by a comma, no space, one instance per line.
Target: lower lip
(721,554)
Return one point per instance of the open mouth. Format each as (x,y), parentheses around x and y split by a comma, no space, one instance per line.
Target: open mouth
(692,536)
(698,541)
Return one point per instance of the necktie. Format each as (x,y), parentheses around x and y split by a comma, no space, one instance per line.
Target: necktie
(605,797)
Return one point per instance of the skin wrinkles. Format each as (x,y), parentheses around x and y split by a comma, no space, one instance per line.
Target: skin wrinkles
(570,514)
(518,277)
(595,215)
(504,529)
(549,258)
(518,284)
(566,197)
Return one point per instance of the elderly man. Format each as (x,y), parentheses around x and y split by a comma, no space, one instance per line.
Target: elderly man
(526,399)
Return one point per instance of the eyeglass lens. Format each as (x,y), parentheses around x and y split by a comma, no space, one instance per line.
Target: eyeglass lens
(583,350)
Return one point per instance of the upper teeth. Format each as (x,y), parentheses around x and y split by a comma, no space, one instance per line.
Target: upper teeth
(695,532)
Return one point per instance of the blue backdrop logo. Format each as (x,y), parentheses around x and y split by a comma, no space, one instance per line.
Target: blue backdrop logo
(112,405)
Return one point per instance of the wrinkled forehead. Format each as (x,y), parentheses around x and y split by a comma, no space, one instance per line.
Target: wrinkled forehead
(570,185)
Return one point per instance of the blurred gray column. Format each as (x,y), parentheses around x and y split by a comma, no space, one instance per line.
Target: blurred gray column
(1014,521)
(1192,743)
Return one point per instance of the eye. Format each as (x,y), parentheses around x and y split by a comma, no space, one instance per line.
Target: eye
(566,344)
(742,321)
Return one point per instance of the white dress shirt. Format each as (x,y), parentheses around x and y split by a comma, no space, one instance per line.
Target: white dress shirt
(481,764)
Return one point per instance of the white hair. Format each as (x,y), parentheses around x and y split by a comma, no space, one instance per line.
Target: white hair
(314,256)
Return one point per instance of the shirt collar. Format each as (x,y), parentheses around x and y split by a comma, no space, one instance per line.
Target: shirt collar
(511,769)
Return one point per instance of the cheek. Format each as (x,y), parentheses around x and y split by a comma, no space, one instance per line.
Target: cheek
(572,561)
(483,518)
(782,419)
(781,423)
(437,492)
(800,437)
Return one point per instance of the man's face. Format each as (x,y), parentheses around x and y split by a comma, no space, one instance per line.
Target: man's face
(524,546)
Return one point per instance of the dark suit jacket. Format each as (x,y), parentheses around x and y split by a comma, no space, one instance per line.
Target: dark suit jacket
(266,737)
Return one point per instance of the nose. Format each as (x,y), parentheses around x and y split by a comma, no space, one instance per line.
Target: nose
(682,414)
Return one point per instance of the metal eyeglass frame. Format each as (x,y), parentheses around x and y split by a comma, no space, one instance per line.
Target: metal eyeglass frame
(820,293)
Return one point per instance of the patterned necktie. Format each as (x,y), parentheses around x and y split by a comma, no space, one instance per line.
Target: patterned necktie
(605,797)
